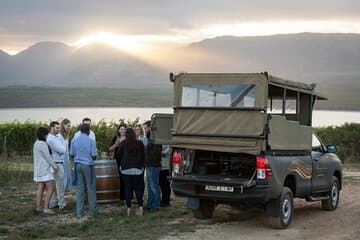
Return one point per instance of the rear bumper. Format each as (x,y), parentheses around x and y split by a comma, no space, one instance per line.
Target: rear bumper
(244,191)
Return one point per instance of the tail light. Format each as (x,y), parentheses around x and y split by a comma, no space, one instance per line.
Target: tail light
(181,162)
(177,163)
(262,168)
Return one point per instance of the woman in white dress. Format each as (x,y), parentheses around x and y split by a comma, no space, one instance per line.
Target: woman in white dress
(43,169)
(65,134)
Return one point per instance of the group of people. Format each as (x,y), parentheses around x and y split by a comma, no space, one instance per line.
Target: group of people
(136,156)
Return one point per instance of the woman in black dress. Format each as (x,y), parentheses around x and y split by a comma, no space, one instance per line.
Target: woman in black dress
(131,155)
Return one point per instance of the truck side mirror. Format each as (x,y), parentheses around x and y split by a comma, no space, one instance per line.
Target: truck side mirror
(331,149)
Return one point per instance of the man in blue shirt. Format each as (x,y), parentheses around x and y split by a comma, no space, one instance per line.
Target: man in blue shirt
(83,150)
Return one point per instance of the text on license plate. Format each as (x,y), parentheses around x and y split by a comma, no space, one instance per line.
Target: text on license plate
(219,188)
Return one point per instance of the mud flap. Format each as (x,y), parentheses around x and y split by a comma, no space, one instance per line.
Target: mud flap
(272,208)
(192,203)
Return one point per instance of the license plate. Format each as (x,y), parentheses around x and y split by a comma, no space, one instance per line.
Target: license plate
(219,188)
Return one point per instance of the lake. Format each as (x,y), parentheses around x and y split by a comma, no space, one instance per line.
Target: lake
(320,117)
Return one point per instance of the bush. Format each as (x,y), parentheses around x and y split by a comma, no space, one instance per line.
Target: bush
(20,137)
(346,138)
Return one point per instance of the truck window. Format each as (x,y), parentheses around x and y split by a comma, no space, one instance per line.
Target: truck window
(316,144)
(210,95)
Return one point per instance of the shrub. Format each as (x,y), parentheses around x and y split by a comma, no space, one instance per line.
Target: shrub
(20,137)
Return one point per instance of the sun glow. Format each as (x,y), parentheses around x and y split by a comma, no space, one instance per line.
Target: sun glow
(122,42)
(11,50)
(130,43)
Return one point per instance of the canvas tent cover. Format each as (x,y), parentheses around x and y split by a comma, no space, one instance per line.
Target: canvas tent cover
(235,129)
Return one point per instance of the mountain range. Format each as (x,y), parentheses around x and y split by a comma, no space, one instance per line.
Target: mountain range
(55,64)
(330,60)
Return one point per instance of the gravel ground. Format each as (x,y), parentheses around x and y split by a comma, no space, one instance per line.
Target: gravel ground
(309,220)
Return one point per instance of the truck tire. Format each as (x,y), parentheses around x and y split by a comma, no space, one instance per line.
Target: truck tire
(334,194)
(205,210)
(285,210)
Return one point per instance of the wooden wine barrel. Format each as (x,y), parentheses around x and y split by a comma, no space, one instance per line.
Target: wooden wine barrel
(107,181)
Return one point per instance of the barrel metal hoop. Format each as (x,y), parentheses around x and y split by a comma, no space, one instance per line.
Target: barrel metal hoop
(108,200)
(108,191)
(104,161)
(108,176)
(104,166)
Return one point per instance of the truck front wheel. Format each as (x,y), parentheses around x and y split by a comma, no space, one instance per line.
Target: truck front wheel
(285,210)
(205,210)
(334,194)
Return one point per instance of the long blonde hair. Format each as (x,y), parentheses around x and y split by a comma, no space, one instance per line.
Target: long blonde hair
(63,131)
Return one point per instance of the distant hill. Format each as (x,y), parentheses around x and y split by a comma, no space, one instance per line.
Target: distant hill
(294,54)
(53,64)
(330,60)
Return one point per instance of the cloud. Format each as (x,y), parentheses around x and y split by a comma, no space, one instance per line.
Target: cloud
(68,19)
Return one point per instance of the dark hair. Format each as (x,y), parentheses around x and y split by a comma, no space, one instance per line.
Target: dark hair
(131,141)
(41,133)
(148,123)
(53,123)
(85,128)
(120,126)
(86,120)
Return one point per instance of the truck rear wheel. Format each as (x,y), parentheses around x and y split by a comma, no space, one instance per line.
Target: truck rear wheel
(285,210)
(334,194)
(205,210)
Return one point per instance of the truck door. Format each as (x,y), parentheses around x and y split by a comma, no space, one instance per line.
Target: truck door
(161,127)
(320,178)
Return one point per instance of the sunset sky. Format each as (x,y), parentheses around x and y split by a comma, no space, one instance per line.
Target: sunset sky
(142,25)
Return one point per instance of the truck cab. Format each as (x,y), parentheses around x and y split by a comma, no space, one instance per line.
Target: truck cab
(244,139)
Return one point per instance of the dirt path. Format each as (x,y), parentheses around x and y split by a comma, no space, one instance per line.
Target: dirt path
(309,220)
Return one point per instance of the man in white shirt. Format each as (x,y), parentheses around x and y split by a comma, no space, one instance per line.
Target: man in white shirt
(58,151)
(91,134)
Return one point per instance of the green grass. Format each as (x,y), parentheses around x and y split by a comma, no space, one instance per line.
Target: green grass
(15,171)
(108,225)
(19,220)
(84,97)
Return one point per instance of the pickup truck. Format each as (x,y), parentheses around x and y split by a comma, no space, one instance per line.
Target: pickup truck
(246,139)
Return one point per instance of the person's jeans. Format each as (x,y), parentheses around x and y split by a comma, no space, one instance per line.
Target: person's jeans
(58,196)
(134,183)
(85,179)
(153,188)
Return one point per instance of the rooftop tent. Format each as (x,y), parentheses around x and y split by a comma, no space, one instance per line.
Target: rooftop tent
(230,112)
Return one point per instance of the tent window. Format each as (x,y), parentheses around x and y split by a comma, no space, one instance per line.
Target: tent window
(283,101)
(211,95)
